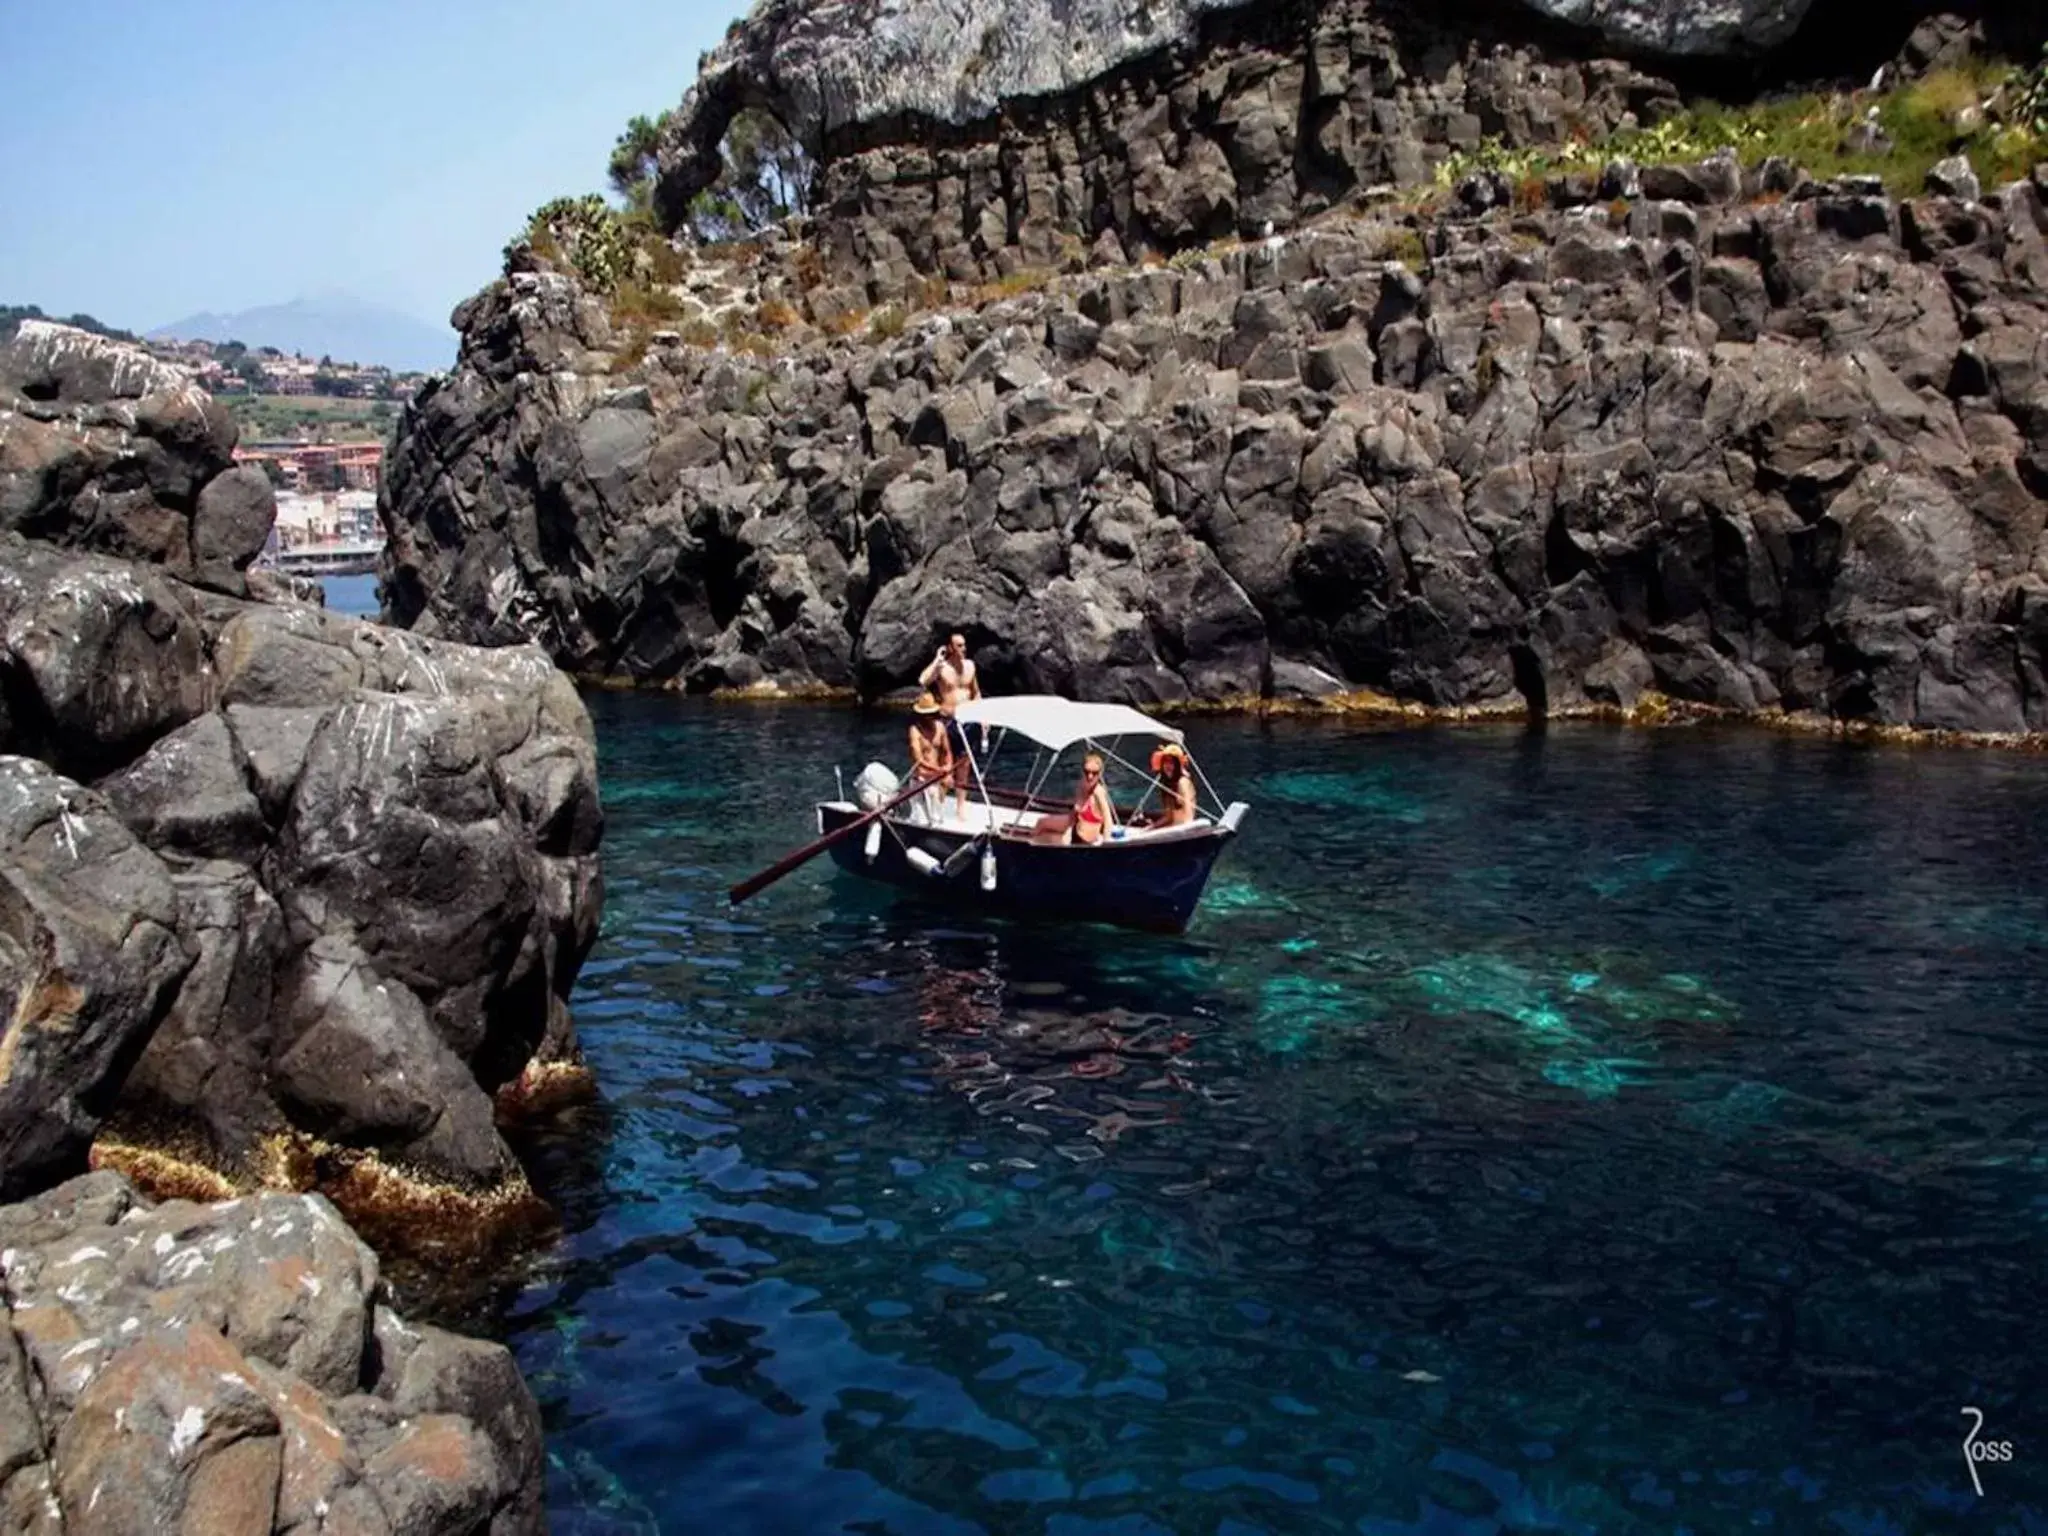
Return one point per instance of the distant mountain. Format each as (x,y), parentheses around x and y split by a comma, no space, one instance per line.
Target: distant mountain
(347,329)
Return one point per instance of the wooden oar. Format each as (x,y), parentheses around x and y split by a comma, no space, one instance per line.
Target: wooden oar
(810,851)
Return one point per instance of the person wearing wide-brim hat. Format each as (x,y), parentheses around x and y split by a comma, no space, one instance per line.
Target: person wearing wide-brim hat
(931,757)
(1176,785)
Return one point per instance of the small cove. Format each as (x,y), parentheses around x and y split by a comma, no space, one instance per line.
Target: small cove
(1582,1129)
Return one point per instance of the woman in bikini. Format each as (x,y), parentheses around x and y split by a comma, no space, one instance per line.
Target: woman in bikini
(1176,786)
(1093,814)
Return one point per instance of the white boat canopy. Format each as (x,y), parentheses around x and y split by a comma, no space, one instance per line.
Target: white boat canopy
(1057,723)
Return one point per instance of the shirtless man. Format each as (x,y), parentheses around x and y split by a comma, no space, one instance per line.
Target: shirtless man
(951,676)
(953,679)
(931,757)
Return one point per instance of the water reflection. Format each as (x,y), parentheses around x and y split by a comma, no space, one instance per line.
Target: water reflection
(1597,1131)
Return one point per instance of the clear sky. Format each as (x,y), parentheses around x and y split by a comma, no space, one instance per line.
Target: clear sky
(168,156)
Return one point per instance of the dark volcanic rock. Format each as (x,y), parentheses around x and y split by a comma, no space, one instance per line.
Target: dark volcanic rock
(327,893)
(1036,131)
(102,447)
(89,960)
(1772,457)
(1300,109)
(98,658)
(426,813)
(233,1368)
(360,1064)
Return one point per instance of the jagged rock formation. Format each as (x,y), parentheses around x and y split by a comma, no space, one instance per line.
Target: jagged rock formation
(326,877)
(235,1370)
(1683,27)
(968,149)
(283,896)
(103,447)
(829,70)
(268,877)
(966,141)
(1749,449)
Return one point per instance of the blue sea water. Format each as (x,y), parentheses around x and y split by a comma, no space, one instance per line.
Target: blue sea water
(1581,1130)
(352,595)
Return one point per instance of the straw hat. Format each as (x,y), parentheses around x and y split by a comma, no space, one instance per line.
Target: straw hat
(1170,749)
(926,705)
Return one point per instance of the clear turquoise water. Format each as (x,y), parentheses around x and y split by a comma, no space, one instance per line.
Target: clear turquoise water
(1583,1131)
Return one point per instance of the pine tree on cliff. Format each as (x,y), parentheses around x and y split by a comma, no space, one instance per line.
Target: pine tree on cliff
(766,178)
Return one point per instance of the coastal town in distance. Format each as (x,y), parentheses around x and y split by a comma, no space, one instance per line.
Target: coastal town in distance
(317,427)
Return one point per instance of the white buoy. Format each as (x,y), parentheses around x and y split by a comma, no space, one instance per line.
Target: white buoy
(874,842)
(921,861)
(988,869)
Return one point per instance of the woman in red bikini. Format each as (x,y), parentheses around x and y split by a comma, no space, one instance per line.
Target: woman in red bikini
(1093,814)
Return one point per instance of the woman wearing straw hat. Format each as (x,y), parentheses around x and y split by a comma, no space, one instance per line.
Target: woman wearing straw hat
(1176,785)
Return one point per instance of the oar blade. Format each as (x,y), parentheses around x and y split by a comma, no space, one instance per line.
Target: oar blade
(754,884)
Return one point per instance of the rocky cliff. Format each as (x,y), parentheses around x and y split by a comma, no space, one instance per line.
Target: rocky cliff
(275,882)
(286,901)
(1710,430)
(103,447)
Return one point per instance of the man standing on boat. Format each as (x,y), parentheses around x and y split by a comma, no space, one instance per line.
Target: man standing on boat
(931,757)
(953,679)
(951,676)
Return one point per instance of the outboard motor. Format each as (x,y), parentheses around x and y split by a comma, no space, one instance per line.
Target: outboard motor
(875,785)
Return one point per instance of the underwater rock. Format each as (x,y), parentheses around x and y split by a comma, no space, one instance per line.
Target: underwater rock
(234,1368)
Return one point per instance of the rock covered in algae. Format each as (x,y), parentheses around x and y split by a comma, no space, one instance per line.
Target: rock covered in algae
(234,1368)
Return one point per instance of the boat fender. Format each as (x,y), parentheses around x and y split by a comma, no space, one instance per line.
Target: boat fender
(988,869)
(921,861)
(873,845)
(958,860)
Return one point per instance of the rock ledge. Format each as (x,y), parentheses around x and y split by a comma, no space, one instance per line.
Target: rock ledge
(235,1370)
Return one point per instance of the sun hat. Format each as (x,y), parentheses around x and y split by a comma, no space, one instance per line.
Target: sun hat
(1168,749)
(926,705)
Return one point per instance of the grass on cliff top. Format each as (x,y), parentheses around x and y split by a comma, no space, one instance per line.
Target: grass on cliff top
(1983,110)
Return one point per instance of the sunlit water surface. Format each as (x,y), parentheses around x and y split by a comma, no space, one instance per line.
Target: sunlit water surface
(1585,1131)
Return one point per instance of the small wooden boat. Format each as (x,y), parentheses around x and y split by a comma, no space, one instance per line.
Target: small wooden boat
(992,854)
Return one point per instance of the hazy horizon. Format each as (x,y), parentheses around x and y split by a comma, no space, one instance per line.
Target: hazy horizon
(264,156)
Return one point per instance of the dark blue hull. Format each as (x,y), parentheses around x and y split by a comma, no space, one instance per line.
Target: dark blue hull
(1148,883)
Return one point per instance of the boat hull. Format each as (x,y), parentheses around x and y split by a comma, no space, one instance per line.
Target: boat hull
(1153,884)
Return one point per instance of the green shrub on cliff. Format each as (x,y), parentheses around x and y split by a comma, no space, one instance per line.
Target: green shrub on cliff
(584,234)
(2030,96)
(1995,115)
